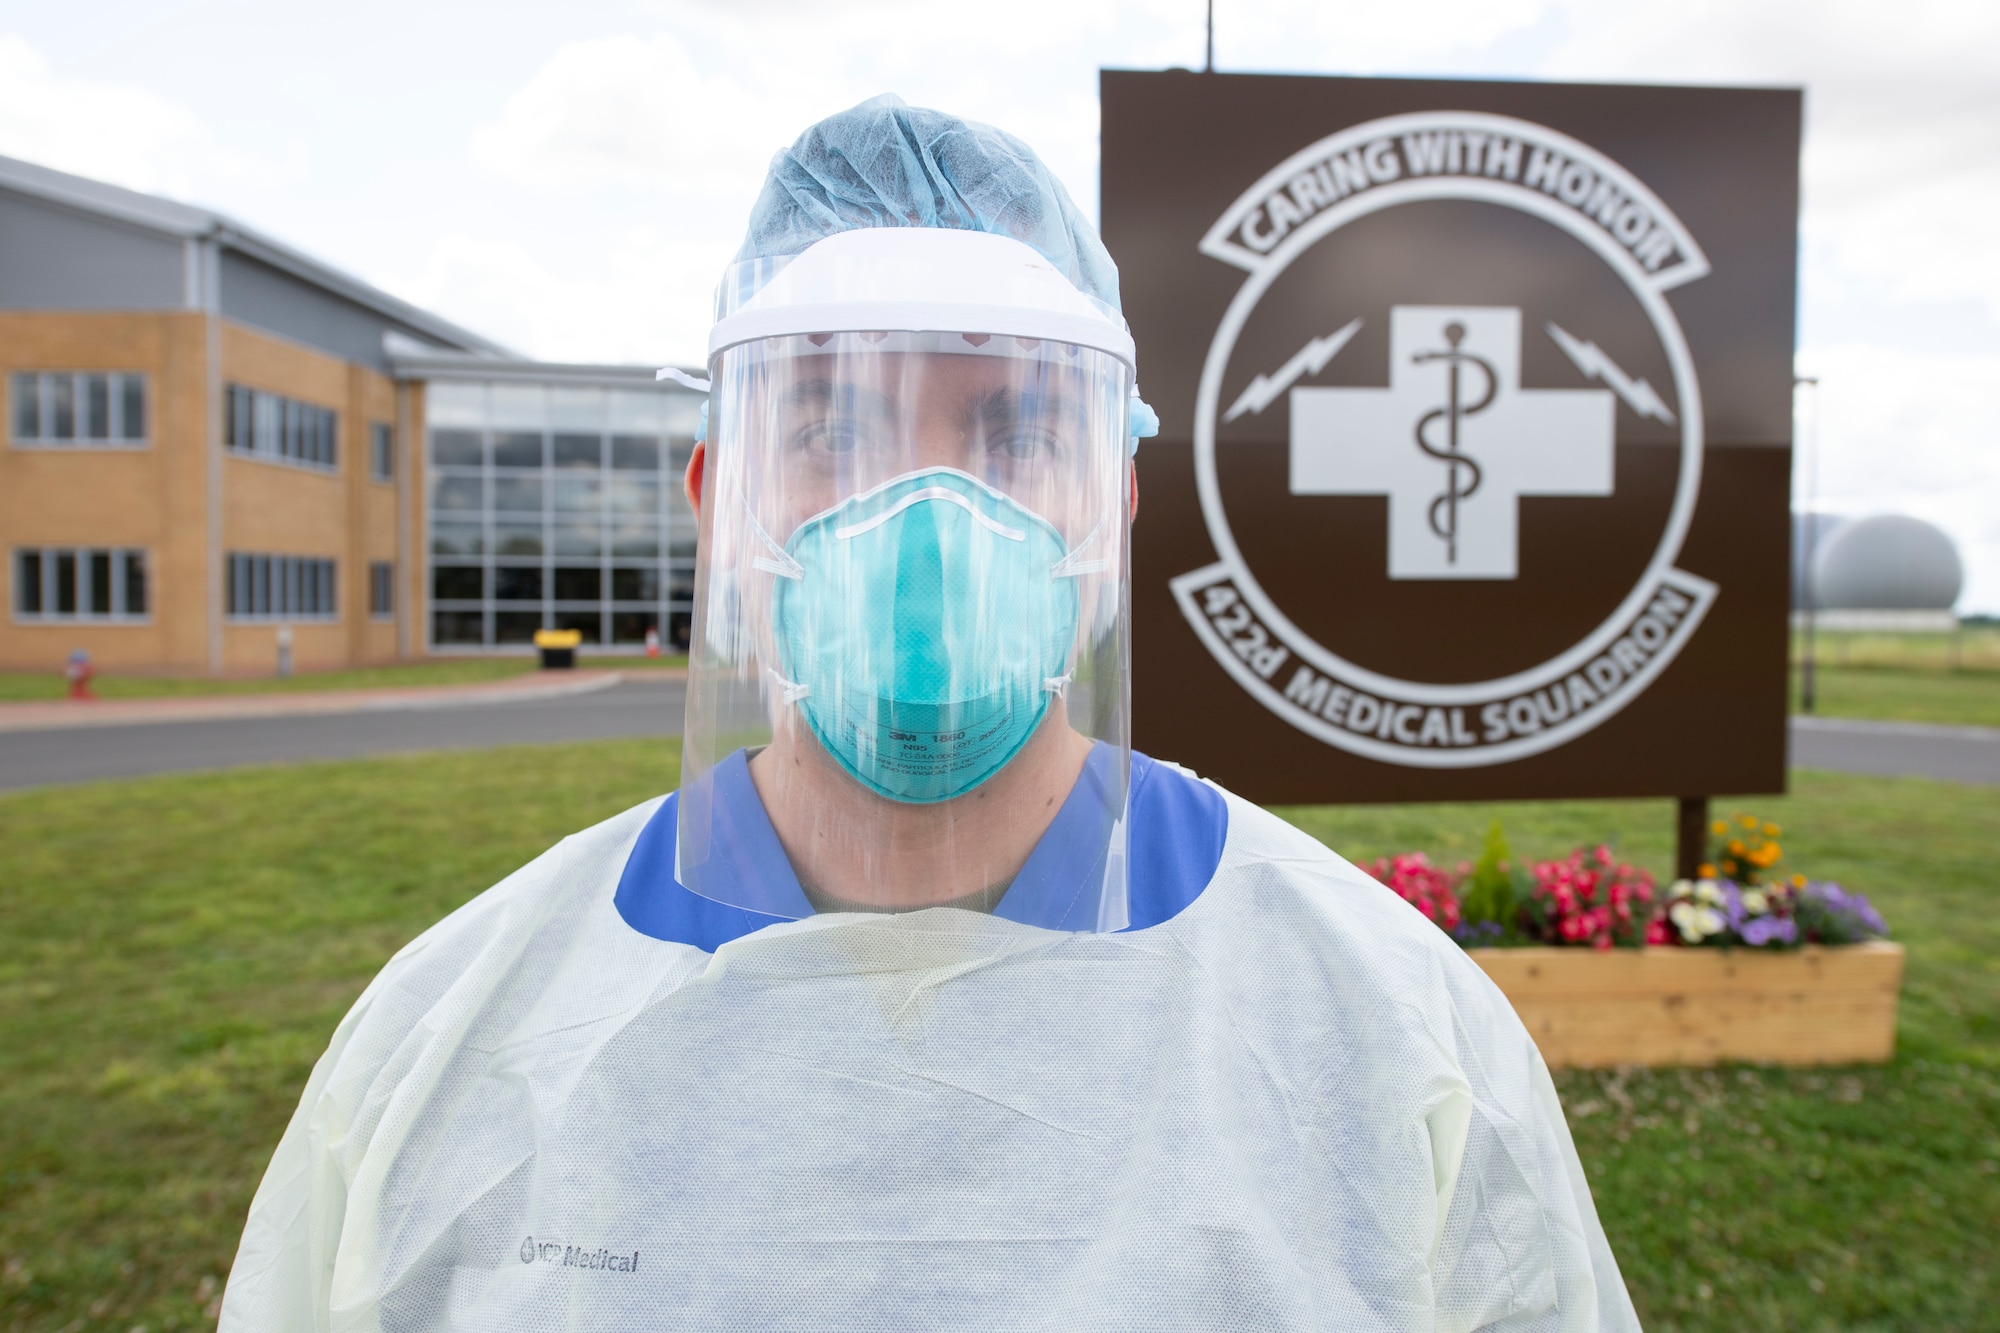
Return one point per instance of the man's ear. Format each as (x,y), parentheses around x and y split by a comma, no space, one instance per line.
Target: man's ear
(697,466)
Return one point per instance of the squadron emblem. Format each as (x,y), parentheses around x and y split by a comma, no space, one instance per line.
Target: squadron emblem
(1460,441)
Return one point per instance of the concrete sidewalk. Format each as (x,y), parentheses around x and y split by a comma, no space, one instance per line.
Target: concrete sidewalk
(64,714)
(645,703)
(1897,749)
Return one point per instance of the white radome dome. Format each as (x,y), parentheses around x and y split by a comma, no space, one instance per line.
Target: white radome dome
(1890,562)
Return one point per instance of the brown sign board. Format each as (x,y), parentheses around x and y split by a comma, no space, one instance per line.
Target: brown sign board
(1474,471)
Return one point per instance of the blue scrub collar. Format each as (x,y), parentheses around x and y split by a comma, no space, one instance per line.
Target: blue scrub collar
(1059,888)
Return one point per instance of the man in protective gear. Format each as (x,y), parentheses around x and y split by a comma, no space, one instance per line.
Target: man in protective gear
(925,1002)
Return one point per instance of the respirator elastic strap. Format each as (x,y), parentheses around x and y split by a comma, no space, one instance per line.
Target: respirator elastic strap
(1072,564)
(789,691)
(779,561)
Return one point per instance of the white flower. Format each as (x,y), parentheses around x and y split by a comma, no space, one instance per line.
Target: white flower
(1712,921)
(1687,919)
(1708,892)
(1754,902)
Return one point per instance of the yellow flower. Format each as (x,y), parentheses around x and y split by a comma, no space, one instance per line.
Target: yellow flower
(1749,821)
(1798,881)
(1706,871)
(1735,847)
(1770,830)
(1719,828)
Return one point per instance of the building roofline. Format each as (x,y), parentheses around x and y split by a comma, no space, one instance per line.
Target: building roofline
(186,222)
(408,361)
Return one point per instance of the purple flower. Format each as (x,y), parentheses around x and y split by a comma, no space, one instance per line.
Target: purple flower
(1473,934)
(1732,904)
(1832,915)
(1762,930)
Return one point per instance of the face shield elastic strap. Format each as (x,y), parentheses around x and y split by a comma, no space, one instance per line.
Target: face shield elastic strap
(702,386)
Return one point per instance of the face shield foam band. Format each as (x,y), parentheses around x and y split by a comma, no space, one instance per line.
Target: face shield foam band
(914,279)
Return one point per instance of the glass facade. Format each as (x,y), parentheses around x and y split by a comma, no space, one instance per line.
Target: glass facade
(558,506)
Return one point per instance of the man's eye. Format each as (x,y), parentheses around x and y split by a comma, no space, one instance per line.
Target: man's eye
(835,435)
(1024,442)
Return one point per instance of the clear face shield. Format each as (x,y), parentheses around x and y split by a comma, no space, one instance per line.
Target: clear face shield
(910,642)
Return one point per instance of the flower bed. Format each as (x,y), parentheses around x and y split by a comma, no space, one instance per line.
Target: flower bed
(1819,1004)
(1606,969)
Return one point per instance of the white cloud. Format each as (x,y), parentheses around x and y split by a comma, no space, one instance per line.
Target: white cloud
(1368,38)
(120,133)
(1904,431)
(641,302)
(632,111)
(1903,120)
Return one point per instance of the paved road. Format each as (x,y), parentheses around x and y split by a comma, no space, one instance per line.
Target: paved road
(1897,749)
(86,754)
(653,708)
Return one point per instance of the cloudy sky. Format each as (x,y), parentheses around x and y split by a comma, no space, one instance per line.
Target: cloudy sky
(570,178)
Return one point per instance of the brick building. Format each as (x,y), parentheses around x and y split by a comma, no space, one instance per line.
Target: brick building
(210,435)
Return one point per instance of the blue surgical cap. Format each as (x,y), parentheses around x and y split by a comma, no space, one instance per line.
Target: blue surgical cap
(884,164)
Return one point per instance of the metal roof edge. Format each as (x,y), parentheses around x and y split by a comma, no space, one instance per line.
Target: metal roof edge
(187,222)
(409,365)
(112,201)
(266,250)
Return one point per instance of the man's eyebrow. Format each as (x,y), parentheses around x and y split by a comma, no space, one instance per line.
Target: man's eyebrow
(822,391)
(809,393)
(1000,406)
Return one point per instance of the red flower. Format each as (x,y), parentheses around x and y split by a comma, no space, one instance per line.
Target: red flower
(1590,898)
(1428,888)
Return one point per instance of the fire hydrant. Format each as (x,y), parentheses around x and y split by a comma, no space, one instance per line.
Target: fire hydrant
(79,672)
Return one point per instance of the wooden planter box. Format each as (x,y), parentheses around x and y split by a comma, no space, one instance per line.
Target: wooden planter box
(1675,1006)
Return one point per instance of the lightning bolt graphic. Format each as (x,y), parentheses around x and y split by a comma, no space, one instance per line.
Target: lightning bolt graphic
(1592,361)
(1311,359)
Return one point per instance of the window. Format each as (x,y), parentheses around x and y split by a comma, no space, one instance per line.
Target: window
(381,452)
(88,584)
(551,505)
(71,409)
(281,587)
(381,589)
(282,430)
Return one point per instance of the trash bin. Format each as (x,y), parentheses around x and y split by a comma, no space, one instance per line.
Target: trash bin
(558,647)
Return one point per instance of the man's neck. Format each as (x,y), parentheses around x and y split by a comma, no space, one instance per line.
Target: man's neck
(862,852)
(979,900)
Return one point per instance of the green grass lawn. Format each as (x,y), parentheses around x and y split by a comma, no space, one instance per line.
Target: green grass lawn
(1963,698)
(1741,1198)
(1972,648)
(16,686)
(1941,678)
(174,953)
